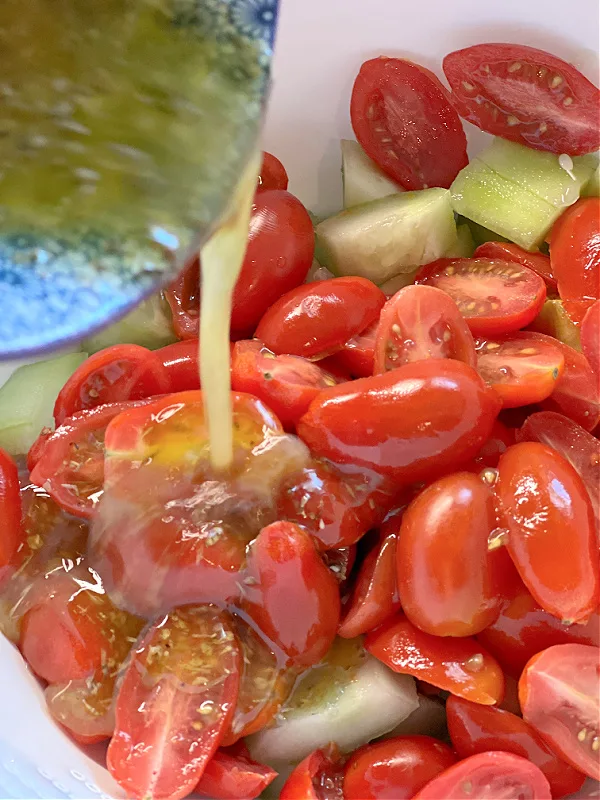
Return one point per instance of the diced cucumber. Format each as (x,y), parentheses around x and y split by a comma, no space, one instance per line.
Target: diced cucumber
(149,325)
(592,187)
(464,246)
(363,179)
(479,233)
(429,719)
(554,321)
(380,239)
(398,282)
(27,400)
(539,172)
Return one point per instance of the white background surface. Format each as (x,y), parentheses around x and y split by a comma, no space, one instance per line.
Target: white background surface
(320,47)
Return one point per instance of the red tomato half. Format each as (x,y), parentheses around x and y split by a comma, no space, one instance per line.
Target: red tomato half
(119,373)
(234,777)
(10,511)
(396,768)
(180,361)
(272,173)
(590,337)
(526,95)
(421,322)
(358,354)
(402,117)
(486,776)
(318,318)
(559,692)
(520,369)
(495,297)
(413,423)
(174,704)
(507,251)
(318,777)
(460,666)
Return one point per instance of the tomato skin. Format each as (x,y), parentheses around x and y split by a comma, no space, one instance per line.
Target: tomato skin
(476,729)
(272,174)
(318,318)
(500,439)
(10,511)
(490,774)
(183,297)
(495,297)
(287,384)
(489,91)
(318,777)
(114,375)
(507,251)
(551,532)
(180,361)
(456,665)
(234,777)
(413,423)
(559,692)
(396,768)
(442,592)
(357,356)
(402,117)
(291,595)
(421,322)
(590,337)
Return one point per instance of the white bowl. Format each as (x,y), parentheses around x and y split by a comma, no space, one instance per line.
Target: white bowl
(321,44)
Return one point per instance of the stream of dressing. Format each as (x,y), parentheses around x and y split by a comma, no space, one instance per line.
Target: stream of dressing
(221,260)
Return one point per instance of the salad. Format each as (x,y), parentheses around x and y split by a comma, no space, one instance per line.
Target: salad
(394,590)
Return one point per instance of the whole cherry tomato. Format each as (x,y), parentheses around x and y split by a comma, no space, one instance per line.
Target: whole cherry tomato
(180,361)
(413,423)
(229,776)
(10,511)
(551,531)
(318,318)
(272,173)
(507,251)
(318,777)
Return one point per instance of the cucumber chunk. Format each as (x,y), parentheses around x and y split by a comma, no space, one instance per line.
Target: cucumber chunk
(592,187)
(554,321)
(27,400)
(149,325)
(385,237)
(479,233)
(464,246)
(363,179)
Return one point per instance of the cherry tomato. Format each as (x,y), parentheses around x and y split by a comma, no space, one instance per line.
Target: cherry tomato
(525,95)
(590,337)
(507,251)
(421,322)
(180,361)
(234,777)
(183,297)
(175,702)
(413,423)
(523,629)
(336,505)
(318,777)
(559,692)
(494,296)
(575,254)
(402,117)
(291,595)
(520,369)
(340,562)
(318,318)
(396,768)
(460,666)
(489,775)
(358,354)
(442,590)
(272,174)
(576,445)
(551,532)
(500,439)
(119,373)
(10,511)
(287,384)
(375,595)
(85,708)
(36,449)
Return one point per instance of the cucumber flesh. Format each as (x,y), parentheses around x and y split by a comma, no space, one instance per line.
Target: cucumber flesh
(149,325)
(465,246)
(554,321)
(480,234)
(398,282)
(592,187)
(27,400)
(385,237)
(363,179)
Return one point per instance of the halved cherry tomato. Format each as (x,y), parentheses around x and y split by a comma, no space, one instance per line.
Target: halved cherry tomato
(421,322)
(590,336)
(523,629)
(520,369)
(229,776)
(476,729)
(575,255)
(115,375)
(10,511)
(460,666)
(551,532)
(500,439)
(559,692)
(413,423)
(525,95)
(180,360)
(507,251)
(291,595)
(489,775)
(402,116)
(175,702)
(287,384)
(396,768)
(358,354)
(494,296)
(183,297)
(318,318)
(272,173)
(319,777)
(375,595)
(36,449)
(441,591)
(336,505)
(340,562)
(85,708)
